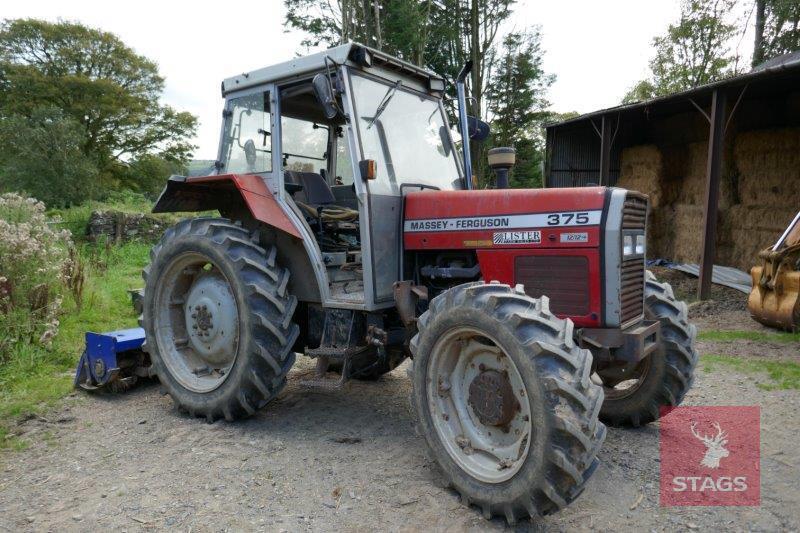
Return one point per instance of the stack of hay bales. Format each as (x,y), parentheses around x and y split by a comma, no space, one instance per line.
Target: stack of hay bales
(768,164)
(759,194)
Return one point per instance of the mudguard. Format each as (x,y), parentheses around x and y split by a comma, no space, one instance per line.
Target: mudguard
(205,193)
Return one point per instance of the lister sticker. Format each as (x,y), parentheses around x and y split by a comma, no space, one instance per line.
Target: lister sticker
(575,237)
(517,237)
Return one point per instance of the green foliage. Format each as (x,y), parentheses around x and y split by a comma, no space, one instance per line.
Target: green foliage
(517,104)
(781,29)
(782,375)
(42,156)
(106,94)
(692,52)
(149,173)
(644,90)
(758,336)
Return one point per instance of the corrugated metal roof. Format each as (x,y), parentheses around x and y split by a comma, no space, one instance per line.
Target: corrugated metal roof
(783,64)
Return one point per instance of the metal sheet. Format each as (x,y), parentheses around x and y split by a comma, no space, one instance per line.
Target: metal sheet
(385,213)
(722,275)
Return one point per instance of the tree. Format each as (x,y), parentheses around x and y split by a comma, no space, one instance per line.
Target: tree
(93,78)
(777,29)
(42,156)
(517,103)
(694,51)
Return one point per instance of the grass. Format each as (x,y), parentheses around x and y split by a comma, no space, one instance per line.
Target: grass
(782,375)
(35,378)
(759,336)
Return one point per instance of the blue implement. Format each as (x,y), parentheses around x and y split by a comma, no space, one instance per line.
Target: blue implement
(108,356)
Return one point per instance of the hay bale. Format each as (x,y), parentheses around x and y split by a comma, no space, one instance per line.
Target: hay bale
(745,230)
(684,173)
(768,162)
(641,170)
(675,232)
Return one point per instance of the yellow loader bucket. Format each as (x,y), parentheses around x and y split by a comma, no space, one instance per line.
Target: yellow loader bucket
(775,298)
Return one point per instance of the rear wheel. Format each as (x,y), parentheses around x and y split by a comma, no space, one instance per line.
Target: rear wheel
(504,399)
(635,395)
(217,319)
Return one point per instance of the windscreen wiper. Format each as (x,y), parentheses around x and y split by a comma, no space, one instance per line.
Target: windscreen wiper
(384,102)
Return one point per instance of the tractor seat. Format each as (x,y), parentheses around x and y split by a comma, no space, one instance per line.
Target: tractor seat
(314,196)
(315,190)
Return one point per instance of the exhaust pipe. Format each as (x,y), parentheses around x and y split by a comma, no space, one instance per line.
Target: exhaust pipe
(462,121)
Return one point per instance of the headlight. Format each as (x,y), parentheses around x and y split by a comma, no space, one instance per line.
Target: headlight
(627,245)
(640,244)
(633,245)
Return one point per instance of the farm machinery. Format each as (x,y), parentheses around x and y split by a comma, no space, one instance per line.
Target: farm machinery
(350,232)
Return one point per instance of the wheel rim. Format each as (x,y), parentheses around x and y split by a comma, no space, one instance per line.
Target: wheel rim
(623,381)
(197,322)
(478,404)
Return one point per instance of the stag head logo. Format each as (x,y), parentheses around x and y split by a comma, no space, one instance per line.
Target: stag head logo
(715,446)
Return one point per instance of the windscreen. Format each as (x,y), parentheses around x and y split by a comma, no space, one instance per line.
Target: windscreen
(406,134)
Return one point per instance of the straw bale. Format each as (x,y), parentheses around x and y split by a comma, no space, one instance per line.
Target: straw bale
(641,170)
(768,162)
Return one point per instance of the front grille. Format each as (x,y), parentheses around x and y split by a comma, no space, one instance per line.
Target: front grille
(564,279)
(631,294)
(634,212)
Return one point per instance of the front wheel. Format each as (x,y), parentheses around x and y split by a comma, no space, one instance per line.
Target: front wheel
(504,399)
(635,396)
(218,319)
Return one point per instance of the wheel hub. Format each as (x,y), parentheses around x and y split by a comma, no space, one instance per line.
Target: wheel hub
(492,398)
(479,405)
(210,315)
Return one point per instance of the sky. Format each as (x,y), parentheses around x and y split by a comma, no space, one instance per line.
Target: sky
(597,49)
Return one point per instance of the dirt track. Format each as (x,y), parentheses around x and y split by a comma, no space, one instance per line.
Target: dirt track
(345,460)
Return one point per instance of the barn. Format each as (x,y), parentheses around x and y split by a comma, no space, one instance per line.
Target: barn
(720,162)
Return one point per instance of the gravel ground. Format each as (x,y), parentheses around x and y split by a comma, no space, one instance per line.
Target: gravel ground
(348,460)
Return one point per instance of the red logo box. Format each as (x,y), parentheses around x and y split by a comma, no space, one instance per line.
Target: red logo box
(710,456)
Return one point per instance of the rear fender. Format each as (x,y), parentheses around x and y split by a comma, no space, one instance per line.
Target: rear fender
(207,193)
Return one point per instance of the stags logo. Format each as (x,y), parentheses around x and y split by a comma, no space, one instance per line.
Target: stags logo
(704,464)
(715,447)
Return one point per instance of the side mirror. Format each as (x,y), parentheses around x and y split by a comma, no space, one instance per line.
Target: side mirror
(478,129)
(250,153)
(325,96)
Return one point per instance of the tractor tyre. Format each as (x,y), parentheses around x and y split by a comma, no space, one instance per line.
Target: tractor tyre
(218,319)
(504,400)
(663,378)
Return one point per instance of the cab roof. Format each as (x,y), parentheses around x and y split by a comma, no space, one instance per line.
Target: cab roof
(351,54)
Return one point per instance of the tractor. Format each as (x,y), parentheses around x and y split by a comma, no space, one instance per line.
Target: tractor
(350,232)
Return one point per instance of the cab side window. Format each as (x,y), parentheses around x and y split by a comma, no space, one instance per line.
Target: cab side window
(344,163)
(247,147)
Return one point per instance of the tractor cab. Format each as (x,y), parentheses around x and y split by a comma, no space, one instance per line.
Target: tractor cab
(339,137)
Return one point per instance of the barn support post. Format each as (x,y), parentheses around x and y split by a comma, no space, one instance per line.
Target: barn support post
(716,135)
(605,151)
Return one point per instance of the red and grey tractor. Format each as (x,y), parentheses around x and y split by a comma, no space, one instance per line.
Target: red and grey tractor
(350,232)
